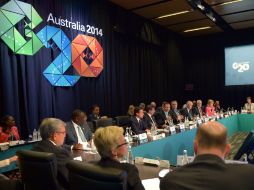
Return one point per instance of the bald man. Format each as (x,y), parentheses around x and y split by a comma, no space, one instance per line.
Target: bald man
(208,171)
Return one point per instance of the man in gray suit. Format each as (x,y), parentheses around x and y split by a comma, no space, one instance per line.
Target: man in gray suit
(77,130)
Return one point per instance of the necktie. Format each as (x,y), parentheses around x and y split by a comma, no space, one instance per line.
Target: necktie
(81,134)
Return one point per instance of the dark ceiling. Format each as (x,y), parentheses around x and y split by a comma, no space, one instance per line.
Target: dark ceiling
(228,15)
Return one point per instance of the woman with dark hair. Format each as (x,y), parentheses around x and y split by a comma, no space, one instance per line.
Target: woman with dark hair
(8,129)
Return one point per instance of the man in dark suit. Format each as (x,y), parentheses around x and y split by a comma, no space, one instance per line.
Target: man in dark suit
(138,125)
(175,113)
(162,116)
(188,112)
(199,110)
(53,132)
(95,115)
(149,116)
(77,130)
(208,171)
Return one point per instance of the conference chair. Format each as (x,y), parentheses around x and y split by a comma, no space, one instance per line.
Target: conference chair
(123,121)
(91,126)
(92,176)
(38,170)
(104,122)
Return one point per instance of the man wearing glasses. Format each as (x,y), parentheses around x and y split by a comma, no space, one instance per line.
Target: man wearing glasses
(53,132)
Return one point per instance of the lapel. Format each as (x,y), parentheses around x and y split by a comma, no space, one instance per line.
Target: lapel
(73,131)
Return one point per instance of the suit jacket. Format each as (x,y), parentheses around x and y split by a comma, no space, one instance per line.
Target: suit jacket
(174,114)
(187,114)
(138,127)
(133,180)
(63,155)
(160,118)
(71,137)
(93,117)
(149,121)
(209,172)
(197,112)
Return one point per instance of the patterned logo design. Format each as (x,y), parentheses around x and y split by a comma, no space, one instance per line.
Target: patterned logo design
(87,56)
(10,15)
(84,54)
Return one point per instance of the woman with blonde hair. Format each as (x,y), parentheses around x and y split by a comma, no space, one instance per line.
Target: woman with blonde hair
(112,147)
(210,110)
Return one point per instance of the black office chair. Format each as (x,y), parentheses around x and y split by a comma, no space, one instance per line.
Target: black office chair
(91,126)
(102,122)
(123,120)
(92,176)
(38,170)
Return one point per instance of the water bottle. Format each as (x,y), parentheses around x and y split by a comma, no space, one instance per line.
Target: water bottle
(129,156)
(39,135)
(153,129)
(126,136)
(186,123)
(35,135)
(185,159)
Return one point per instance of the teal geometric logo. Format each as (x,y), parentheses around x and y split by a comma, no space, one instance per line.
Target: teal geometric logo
(55,71)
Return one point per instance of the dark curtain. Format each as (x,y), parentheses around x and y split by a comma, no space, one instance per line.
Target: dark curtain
(142,62)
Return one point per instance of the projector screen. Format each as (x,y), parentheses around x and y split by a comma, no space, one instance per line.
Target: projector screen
(239,65)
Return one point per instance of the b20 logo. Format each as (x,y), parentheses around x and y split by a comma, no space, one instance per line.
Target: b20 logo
(84,53)
(241,67)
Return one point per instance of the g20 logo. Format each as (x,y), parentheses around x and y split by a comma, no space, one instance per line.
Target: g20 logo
(84,53)
(241,67)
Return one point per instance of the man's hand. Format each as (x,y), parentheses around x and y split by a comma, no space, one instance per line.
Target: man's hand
(77,146)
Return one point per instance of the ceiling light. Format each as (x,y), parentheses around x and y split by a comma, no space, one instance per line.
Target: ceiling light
(229,2)
(201,7)
(196,29)
(173,14)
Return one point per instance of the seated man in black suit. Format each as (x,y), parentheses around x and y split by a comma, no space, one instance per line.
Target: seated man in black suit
(138,125)
(188,111)
(112,147)
(162,117)
(95,115)
(149,116)
(77,130)
(175,113)
(208,170)
(199,110)
(53,132)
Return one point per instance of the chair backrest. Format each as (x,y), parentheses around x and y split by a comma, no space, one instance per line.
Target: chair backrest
(103,122)
(91,126)
(123,120)
(38,170)
(92,176)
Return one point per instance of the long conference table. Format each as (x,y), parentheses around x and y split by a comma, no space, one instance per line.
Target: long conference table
(165,149)
(168,148)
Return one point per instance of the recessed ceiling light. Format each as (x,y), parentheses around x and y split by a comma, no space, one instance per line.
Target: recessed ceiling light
(229,2)
(172,14)
(196,29)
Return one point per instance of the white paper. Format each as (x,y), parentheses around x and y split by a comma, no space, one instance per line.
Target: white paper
(151,184)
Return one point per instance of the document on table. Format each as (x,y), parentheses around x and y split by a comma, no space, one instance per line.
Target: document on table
(151,184)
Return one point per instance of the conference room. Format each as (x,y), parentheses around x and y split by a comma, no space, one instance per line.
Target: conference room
(126,94)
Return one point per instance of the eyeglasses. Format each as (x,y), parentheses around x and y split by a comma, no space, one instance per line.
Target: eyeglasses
(118,146)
